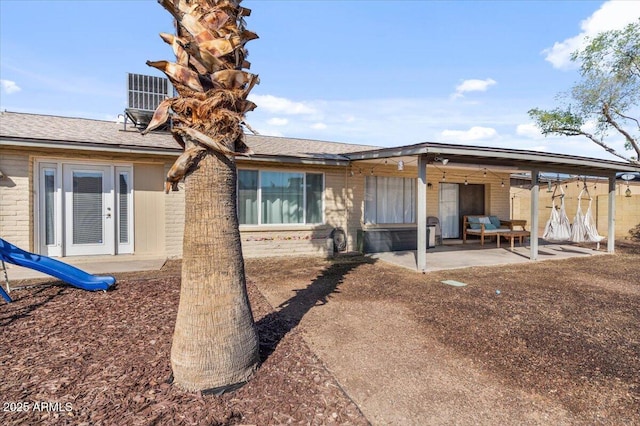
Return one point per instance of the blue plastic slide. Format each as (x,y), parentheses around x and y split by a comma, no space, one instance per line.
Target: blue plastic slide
(65,272)
(4,295)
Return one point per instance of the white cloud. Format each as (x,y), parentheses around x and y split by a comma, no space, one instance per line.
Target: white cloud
(318,126)
(276,121)
(276,105)
(612,15)
(476,133)
(529,130)
(473,85)
(9,86)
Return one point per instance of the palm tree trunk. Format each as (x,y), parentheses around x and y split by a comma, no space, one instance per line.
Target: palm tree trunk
(215,343)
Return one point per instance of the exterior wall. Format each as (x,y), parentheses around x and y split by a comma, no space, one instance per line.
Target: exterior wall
(496,194)
(17,193)
(149,209)
(627,213)
(174,218)
(16,198)
(274,240)
(627,208)
(159,217)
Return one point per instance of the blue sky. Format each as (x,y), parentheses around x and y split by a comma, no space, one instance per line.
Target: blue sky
(384,73)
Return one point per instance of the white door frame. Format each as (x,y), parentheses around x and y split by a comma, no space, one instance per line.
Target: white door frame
(60,242)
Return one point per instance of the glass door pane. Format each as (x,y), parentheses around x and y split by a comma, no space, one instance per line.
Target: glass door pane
(87,208)
(89,203)
(49,207)
(449,216)
(124,209)
(48,211)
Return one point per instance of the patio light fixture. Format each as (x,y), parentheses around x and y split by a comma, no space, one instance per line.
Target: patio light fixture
(627,177)
(444,161)
(400,165)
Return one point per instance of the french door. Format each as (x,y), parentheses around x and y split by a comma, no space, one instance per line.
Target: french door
(89,222)
(84,209)
(449,212)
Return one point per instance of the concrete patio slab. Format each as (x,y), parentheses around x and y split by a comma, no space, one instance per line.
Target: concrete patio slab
(454,255)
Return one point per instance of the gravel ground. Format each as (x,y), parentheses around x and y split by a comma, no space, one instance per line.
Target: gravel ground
(73,357)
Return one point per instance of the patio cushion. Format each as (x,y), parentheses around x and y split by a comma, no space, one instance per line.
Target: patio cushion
(490,227)
(495,221)
(484,219)
(474,223)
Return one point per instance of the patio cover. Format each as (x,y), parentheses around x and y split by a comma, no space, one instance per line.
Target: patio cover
(514,159)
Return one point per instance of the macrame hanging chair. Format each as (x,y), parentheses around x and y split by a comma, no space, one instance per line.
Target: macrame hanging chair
(584,226)
(558,227)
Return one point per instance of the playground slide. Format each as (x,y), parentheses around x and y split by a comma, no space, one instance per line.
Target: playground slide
(65,272)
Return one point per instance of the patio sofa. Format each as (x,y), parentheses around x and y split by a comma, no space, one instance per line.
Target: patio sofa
(485,226)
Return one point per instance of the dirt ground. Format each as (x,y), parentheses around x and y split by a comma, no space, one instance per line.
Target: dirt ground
(543,343)
(346,341)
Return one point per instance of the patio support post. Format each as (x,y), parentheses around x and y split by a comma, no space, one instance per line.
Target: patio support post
(535,198)
(421,250)
(611,232)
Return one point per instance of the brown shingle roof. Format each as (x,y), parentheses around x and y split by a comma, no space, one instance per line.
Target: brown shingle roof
(79,132)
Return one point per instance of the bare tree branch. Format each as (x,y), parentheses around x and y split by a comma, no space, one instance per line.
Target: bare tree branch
(570,131)
(628,137)
(627,117)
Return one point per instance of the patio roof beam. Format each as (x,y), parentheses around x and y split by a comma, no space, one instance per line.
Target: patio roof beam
(525,160)
(611,230)
(535,201)
(421,249)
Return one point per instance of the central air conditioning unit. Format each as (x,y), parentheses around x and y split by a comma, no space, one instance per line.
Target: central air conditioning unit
(144,94)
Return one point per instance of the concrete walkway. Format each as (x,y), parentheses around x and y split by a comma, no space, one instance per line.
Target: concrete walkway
(100,265)
(454,254)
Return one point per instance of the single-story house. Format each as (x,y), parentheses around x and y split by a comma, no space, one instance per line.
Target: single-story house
(73,186)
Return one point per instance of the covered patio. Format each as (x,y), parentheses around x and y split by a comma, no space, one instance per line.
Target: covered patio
(427,153)
(455,255)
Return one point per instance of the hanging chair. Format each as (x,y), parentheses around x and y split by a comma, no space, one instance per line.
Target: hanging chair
(584,226)
(558,227)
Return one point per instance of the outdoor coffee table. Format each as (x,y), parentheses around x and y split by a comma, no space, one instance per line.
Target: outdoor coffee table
(512,235)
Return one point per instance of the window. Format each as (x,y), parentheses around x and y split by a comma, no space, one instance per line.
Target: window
(270,198)
(389,200)
(49,183)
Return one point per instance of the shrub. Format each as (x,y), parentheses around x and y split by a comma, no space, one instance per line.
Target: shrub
(635,233)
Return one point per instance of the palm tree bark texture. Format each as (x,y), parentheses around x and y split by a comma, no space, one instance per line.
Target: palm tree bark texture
(215,342)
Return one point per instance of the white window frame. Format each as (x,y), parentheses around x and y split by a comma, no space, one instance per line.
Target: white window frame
(366,214)
(304,224)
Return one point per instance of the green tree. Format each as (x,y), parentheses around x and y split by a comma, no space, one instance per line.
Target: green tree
(215,341)
(608,94)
